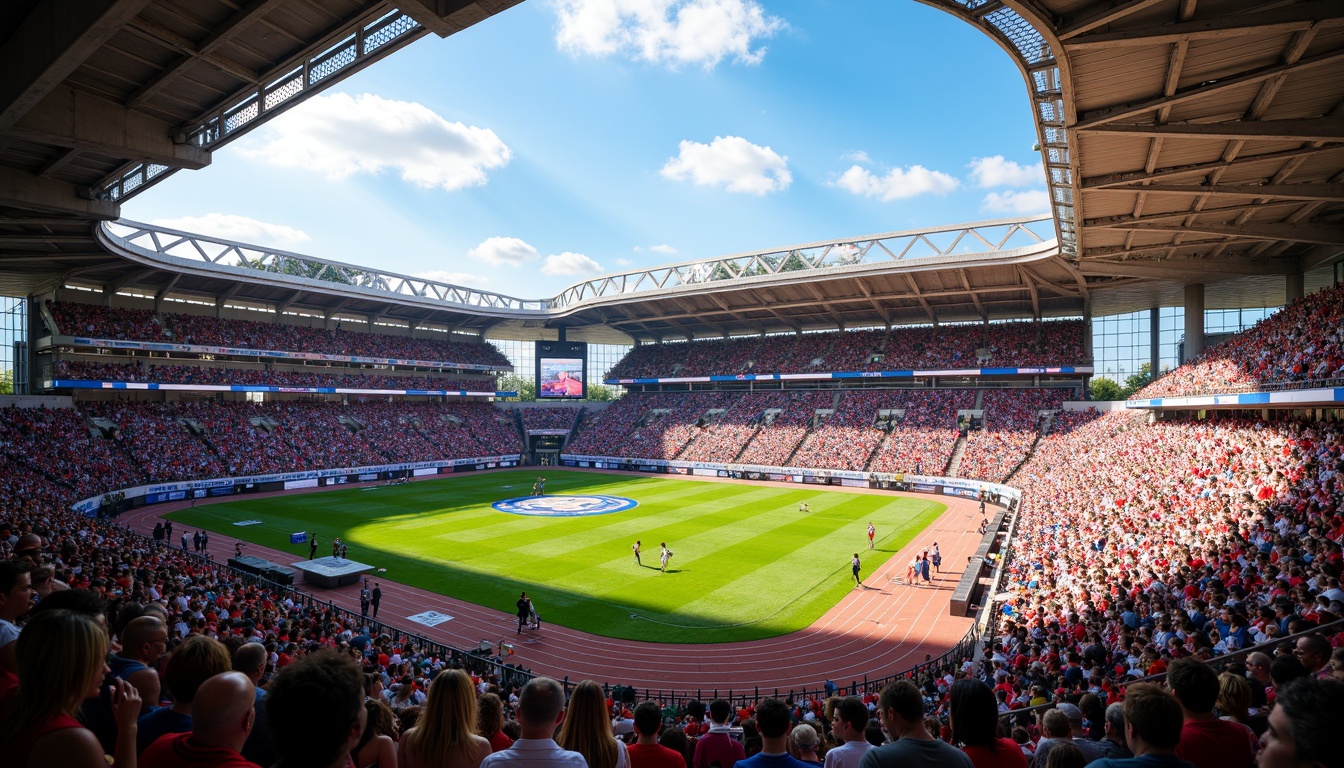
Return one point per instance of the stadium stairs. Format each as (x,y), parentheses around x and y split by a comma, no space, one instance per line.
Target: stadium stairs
(954,461)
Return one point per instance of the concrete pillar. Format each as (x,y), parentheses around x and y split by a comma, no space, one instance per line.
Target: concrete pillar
(1087,338)
(1297,286)
(1194,321)
(1154,341)
(560,332)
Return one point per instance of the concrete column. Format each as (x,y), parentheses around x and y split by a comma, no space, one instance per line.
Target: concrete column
(1087,338)
(1297,286)
(1194,321)
(1155,341)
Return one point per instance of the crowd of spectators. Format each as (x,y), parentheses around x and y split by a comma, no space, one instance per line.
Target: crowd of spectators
(1012,419)
(1301,342)
(781,434)
(548,418)
(847,438)
(87,370)
(73,318)
(724,437)
(1057,342)
(922,440)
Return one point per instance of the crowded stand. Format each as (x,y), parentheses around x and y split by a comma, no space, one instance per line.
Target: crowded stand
(922,441)
(142,325)
(847,438)
(723,438)
(1011,424)
(87,370)
(779,437)
(548,418)
(1301,342)
(155,437)
(1058,342)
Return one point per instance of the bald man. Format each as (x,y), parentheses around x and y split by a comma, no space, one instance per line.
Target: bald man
(143,643)
(221,719)
(250,659)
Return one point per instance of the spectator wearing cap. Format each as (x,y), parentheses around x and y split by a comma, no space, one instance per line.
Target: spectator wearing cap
(719,744)
(1206,741)
(1304,726)
(646,752)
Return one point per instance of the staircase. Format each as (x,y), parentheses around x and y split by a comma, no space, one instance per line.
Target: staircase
(954,463)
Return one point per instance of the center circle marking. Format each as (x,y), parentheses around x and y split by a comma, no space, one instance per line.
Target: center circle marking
(565,506)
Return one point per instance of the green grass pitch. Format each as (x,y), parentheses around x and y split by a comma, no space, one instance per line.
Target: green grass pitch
(747,564)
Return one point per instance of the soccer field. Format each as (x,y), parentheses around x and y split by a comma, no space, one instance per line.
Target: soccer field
(748,564)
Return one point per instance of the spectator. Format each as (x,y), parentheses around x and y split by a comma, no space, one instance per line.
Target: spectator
(1152,729)
(900,709)
(143,643)
(1303,726)
(719,745)
(1055,729)
(541,707)
(16,599)
(377,746)
(221,720)
(446,733)
(974,717)
(1066,755)
(646,752)
(1114,744)
(772,721)
(195,660)
(315,711)
(61,660)
(490,722)
(804,741)
(1313,651)
(1206,741)
(675,739)
(587,729)
(848,723)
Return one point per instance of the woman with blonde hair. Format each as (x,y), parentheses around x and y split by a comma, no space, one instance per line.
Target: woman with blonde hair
(587,728)
(1234,698)
(445,735)
(61,661)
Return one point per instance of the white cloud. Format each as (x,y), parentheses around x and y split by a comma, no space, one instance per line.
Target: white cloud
(504,251)
(568,263)
(624,262)
(671,32)
(730,162)
(241,228)
(662,248)
(897,184)
(858,156)
(1025,202)
(997,172)
(452,278)
(339,135)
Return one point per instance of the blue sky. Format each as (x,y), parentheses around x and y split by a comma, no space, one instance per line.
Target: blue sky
(566,138)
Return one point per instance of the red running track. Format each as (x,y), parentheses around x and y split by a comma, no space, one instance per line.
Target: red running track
(884,628)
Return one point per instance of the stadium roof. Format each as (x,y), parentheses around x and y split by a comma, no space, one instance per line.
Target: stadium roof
(1184,141)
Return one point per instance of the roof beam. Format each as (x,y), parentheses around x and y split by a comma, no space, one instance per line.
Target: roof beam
(1110,114)
(1327,192)
(78,120)
(161,34)
(33,193)
(289,302)
(886,316)
(1104,222)
(220,35)
(52,41)
(975,297)
(1113,12)
(113,286)
(1282,19)
(914,289)
(1134,177)
(1035,297)
(1301,129)
(1319,234)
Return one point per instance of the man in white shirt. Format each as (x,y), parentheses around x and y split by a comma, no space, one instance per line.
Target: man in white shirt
(541,707)
(847,725)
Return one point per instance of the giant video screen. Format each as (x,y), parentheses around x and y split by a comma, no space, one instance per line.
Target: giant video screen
(560,378)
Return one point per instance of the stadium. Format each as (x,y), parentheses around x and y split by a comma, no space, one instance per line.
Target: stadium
(332,426)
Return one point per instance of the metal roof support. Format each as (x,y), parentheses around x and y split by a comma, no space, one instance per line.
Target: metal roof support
(1293,18)
(162,292)
(1113,12)
(52,41)
(1138,177)
(1327,192)
(914,289)
(1302,129)
(1320,234)
(1104,115)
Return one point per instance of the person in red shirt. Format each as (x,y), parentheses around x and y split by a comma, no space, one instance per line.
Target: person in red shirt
(719,743)
(1206,741)
(646,752)
(222,716)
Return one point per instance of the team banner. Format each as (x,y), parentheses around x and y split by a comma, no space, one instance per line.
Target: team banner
(155,346)
(1034,371)
(151,386)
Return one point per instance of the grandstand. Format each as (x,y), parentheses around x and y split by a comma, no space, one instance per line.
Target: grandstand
(1203,516)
